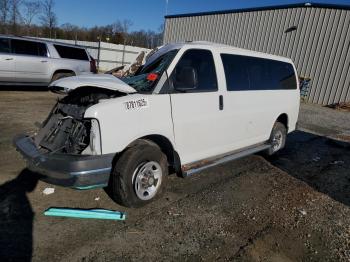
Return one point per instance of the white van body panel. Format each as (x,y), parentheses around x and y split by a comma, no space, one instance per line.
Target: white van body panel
(192,122)
(203,131)
(251,115)
(121,123)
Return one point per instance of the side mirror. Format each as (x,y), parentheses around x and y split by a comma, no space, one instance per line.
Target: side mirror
(185,79)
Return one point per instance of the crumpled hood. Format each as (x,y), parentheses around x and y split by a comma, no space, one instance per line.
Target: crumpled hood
(65,85)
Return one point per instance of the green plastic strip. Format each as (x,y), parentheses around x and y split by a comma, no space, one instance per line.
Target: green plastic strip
(83,213)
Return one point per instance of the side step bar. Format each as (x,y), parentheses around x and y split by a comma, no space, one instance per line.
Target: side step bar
(204,164)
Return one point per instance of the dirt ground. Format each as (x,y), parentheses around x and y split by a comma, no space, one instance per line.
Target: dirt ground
(294,206)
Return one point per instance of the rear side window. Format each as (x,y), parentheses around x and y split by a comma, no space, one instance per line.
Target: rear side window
(203,64)
(71,52)
(283,75)
(23,47)
(5,45)
(236,75)
(252,73)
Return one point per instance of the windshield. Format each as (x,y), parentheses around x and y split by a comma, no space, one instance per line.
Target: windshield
(145,79)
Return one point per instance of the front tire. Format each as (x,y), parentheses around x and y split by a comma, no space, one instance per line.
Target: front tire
(277,138)
(139,175)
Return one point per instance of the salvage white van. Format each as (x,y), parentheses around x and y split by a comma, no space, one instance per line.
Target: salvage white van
(192,105)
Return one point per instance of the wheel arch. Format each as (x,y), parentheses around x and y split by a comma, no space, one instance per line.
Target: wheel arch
(57,71)
(283,118)
(166,147)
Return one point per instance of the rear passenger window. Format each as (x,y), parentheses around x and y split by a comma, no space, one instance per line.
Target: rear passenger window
(71,52)
(23,47)
(202,63)
(42,49)
(259,74)
(5,45)
(284,75)
(252,73)
(235,72)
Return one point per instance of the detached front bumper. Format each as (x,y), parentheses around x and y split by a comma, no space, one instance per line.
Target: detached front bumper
(77,171)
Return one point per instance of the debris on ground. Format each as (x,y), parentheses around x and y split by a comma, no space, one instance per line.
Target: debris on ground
(337,162)
(316,159)
(97,198)
(345,106)
(303,212)
(48,191)
(85,213)
(171,213)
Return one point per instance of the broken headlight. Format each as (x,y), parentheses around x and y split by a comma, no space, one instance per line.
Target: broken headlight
(94,147)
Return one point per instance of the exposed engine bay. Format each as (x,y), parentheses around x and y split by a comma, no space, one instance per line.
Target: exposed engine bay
(65,130)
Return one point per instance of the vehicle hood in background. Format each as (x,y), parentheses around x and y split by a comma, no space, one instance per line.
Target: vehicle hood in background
(65,85)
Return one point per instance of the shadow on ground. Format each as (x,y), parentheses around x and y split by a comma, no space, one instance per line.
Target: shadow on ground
(16,216)
(322,163)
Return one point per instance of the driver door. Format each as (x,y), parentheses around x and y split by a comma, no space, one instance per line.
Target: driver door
(196,110)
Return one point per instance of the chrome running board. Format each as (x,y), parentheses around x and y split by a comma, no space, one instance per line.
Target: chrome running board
(201,165)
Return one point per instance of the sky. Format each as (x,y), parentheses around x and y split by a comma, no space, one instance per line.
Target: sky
(149,14)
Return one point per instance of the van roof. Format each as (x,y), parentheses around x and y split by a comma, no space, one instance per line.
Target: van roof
(226,48)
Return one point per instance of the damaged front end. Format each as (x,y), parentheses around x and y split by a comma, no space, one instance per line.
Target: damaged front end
(67,148)
(66,130)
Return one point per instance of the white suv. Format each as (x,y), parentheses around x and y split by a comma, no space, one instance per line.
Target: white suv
(191,106)
(27,61)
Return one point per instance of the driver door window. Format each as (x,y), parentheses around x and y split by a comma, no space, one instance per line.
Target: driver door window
(195,72)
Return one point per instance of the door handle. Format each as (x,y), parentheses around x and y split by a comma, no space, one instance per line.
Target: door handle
(221,102)
(8,59)
(43,61)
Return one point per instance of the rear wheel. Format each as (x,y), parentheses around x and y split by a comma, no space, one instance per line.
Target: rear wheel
(139,175)
(277,138)
(57,76)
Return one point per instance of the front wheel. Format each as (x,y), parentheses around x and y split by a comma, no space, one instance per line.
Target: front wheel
(277,138)
(139,175)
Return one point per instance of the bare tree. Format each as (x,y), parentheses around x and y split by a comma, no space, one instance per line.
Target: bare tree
(4,15)
(15,13)
(4,11)
(48,18)
(30,10)
(125,25)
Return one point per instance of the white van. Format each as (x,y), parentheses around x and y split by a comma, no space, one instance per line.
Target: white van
(191,106)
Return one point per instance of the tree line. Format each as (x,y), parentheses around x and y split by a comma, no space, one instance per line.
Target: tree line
(38,18)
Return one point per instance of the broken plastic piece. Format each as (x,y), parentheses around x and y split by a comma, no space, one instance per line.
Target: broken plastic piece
(84,213)
(48,191)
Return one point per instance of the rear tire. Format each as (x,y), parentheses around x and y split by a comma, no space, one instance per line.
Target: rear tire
(57,76)
(139,175)
(277,138)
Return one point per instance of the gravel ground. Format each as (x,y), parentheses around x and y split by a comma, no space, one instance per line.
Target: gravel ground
(325,121)
(294,206)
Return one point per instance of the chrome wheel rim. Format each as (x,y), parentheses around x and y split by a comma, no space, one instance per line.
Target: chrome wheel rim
(277,140)
(147,179)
